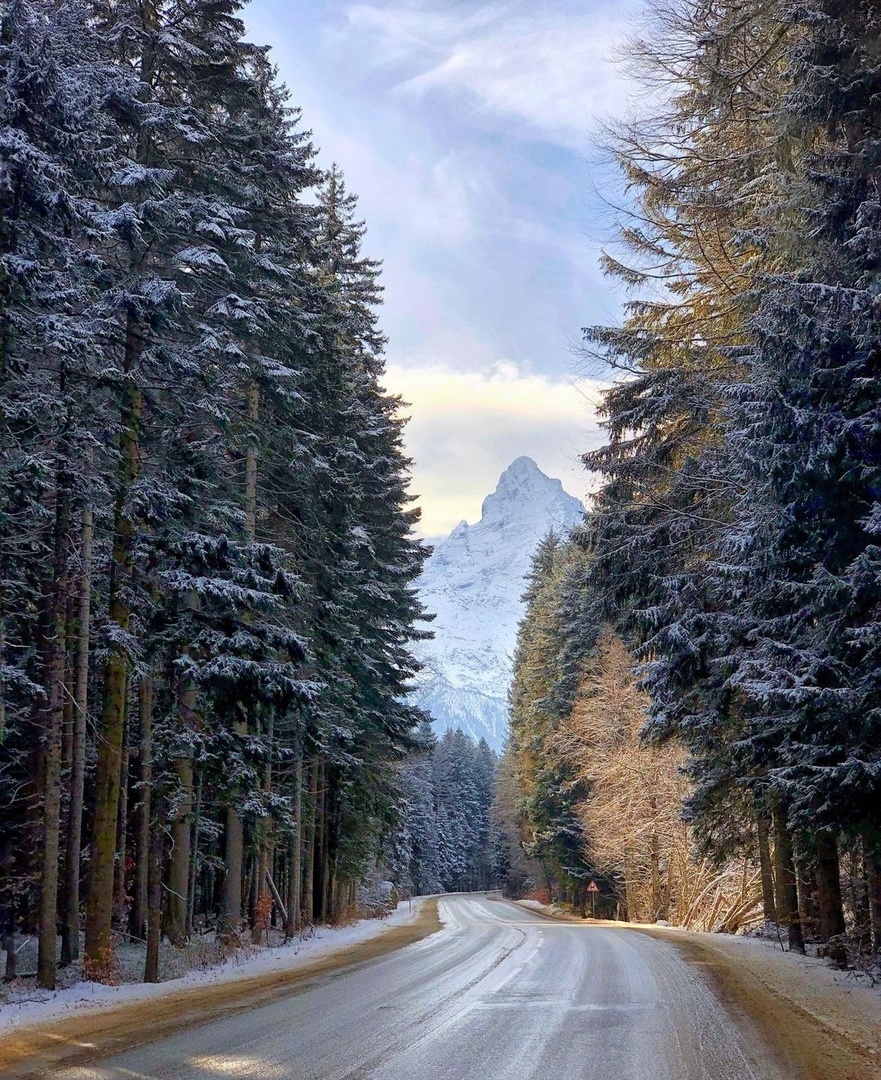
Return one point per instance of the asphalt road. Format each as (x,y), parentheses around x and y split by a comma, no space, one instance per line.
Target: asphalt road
(499,993)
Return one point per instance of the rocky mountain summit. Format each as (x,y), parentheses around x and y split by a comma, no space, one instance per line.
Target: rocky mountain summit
(473,581)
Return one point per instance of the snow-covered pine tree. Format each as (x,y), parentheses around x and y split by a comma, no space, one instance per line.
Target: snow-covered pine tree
(420,816)
(742,453)
(360,560)
(556,637)
(806,427)
(209,151)
(54,138)
(236,531)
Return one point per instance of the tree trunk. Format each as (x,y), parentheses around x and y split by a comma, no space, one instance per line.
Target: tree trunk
(787,884)
(70,938)
(231,896)
(52,722)
(2,653)
(873,876)
(177,903)
(655,870)
(231,891)
(831,909)
(264,838)
(309,846)
(11,968)
(145,792)
(806,883)
(292,924)
(769,910)
(154,903)
(120,915)
(629,894)
(319,859)
(99,908)
(194,857)
(68,710)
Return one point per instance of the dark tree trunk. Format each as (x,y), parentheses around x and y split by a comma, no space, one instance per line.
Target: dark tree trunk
(309,846)
(177,903)
(52,722)
(99,908)
(154,903)
(231,891)
(769,909)
(873,877)
(145,784)
(264,844)
(11,969)
(70,937)
(295,856)
(788,910)
(831,909)
(120,899)
(320,845)
(194,857)
(2,648)
(7,906)
(806,882)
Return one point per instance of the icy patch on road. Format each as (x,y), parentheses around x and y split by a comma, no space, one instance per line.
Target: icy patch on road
(40,1006)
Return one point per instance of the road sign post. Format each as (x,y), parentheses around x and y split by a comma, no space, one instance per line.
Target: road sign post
(593,889)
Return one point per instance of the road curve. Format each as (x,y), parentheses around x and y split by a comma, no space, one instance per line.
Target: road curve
(500,994)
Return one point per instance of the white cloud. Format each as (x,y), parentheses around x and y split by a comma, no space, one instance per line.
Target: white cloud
(407,32)
(549,69)
(467,427)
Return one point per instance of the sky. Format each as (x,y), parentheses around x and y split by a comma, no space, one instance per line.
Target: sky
(467,130)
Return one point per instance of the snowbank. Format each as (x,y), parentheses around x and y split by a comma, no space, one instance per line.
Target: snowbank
(40,1006)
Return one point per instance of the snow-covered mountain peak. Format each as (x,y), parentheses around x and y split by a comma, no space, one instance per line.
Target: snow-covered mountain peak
(474,582)
(523,491)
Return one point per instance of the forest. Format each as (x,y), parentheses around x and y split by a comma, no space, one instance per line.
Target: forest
(695,709)
(207,557)
(444,837)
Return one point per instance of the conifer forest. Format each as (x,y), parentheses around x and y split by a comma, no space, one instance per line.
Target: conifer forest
(205,529)
(695,709)
(209,551)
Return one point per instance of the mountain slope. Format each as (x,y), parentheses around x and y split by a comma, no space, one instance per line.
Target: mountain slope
(473,581)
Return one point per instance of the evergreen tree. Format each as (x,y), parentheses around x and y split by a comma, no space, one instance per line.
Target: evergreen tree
(205,526)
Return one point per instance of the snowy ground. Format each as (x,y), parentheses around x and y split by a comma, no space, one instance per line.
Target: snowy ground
(198,965)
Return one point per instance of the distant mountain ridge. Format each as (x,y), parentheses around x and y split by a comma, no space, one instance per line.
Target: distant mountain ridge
(473,581)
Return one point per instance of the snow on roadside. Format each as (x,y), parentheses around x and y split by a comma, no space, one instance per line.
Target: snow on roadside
(42,1006)
(545,909)
(840,997)
(844,1003)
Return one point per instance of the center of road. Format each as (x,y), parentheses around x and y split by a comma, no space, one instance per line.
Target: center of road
(500,993)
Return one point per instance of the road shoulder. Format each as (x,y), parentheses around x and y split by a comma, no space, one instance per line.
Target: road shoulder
(34,1050)
(816,1025)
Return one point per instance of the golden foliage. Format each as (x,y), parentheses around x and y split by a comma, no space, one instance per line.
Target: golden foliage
(632,813)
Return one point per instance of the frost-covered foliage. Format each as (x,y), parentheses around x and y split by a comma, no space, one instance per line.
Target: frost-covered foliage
(443,840)
(734,542)
(556,636)
(206,563)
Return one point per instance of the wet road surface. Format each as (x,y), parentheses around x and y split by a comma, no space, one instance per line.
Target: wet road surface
(500,993)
